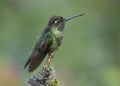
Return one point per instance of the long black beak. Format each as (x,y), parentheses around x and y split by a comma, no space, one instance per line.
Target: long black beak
(74,17)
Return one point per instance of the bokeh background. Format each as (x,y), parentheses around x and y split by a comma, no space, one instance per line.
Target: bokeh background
(89,55)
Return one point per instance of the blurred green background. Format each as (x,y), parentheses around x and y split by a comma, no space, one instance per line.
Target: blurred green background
(89,55)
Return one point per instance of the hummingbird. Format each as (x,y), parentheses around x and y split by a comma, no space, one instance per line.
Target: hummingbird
(48,43)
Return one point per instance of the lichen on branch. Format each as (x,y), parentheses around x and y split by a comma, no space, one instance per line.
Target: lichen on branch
(46,77)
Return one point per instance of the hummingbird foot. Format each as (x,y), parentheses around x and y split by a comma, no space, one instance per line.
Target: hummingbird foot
(51,55)
(48,61)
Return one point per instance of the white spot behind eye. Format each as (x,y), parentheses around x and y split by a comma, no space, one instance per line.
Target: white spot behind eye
(55,22)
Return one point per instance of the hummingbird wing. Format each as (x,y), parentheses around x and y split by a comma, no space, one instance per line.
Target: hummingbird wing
(39,52)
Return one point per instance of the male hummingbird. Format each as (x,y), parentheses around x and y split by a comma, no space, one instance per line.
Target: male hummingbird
(49,41)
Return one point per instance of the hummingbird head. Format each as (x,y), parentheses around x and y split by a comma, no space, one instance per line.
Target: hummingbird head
(56,21)
(59,21)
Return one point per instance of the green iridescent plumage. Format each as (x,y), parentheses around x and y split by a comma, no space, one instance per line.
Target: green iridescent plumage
(48,42)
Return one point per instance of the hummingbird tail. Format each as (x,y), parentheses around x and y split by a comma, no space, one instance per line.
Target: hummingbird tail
(34,61)
(28,61)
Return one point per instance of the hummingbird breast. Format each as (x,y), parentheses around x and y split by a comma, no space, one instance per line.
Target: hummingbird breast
(57,37)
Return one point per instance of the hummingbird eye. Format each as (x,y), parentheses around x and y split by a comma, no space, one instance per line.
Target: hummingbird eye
(56,22)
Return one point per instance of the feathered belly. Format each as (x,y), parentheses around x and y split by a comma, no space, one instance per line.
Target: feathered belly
(56,42)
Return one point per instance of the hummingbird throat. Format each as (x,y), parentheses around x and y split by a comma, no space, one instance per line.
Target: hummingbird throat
(56,32)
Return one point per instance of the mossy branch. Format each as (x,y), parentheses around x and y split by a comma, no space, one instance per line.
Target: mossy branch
(46,77)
